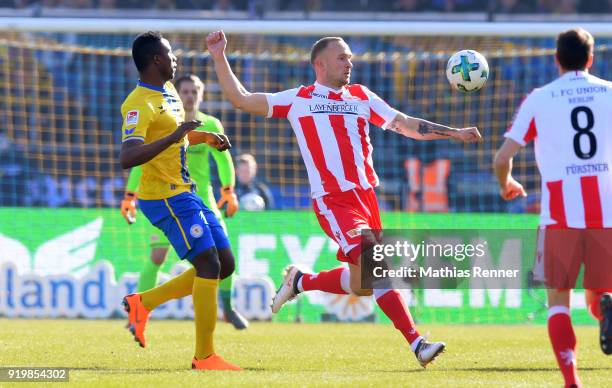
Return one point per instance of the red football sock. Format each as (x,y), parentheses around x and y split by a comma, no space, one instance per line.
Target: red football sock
(563,342)
(392,304)
(328,281)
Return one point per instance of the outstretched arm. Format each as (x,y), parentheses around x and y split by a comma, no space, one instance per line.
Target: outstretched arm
(420,129)
(255,103)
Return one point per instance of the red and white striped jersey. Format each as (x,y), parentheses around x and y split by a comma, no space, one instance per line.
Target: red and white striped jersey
(570,121)
(332,130)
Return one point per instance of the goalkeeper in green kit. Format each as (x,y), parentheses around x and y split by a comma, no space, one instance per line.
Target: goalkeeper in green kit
(191,90)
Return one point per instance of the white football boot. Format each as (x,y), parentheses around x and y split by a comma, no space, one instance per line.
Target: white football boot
(288,289)
(427,352)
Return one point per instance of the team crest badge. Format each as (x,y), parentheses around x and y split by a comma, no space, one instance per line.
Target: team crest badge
(196,230)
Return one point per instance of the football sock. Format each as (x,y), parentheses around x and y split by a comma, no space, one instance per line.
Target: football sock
(392,304)
(225,290)
(205,315)
(148,276)
(563,342)
(177,287)
(335,281)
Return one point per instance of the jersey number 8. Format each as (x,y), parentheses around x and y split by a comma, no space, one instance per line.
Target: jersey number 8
(586,130)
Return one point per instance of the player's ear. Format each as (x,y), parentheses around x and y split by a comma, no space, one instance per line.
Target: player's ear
(319,63)
(589,61)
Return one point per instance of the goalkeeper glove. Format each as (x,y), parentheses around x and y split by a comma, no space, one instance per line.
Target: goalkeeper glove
(228,197)
(128,207)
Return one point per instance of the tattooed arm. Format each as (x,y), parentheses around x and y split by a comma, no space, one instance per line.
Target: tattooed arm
(420,129)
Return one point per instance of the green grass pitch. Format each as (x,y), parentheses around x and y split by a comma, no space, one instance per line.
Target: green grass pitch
(102,353)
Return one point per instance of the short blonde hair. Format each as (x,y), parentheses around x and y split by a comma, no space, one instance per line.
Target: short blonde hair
(249,160)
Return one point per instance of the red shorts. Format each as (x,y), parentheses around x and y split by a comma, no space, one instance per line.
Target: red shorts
(561,253)
(343,215)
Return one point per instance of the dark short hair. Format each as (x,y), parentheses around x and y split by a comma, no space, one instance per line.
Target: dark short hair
(145,46)
(188,78)
(574,48)
(321,45)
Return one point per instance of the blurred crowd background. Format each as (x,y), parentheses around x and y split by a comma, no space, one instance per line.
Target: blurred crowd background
(60,130)
(259,7)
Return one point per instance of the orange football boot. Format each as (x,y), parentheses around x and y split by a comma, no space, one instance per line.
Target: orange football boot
(213,362)
(138,316)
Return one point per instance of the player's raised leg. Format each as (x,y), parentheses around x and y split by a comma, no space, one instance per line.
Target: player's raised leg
(139,305)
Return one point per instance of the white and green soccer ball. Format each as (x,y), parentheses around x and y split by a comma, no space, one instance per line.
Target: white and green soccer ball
(467,71)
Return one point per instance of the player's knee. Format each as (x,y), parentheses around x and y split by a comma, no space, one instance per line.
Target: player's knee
(368,239)
(207,264)
(228,263)
(357,290)
(158,255)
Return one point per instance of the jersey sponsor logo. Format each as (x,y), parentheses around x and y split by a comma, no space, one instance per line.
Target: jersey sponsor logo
(319,95)
(196,231)
(131,118)
(129,131)
(350,109)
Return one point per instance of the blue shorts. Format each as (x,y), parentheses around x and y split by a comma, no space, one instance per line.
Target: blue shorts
(188,224)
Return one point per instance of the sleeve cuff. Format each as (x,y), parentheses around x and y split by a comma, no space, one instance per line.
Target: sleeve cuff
(518,139)
(133,138)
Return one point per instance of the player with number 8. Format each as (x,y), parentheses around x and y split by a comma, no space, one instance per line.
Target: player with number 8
(569,121)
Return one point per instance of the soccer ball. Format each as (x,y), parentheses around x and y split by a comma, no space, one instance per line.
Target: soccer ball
(252,202)
(467,71)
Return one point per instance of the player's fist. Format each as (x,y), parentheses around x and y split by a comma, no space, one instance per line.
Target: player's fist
(218,141)
(229,198)
(128,207)
(184,129)
(512,190)
(469,135)
(216,42)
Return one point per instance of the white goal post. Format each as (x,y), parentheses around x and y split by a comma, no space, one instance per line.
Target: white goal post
(300,27)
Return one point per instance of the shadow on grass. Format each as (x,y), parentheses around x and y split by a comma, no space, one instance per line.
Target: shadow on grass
(261,369)
(515,370)
(139,371)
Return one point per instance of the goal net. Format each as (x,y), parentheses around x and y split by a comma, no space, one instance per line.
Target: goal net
(60,136)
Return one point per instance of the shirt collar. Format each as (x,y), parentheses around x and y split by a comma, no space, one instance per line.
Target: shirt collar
(327,88)
(575,73)
(152,87)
